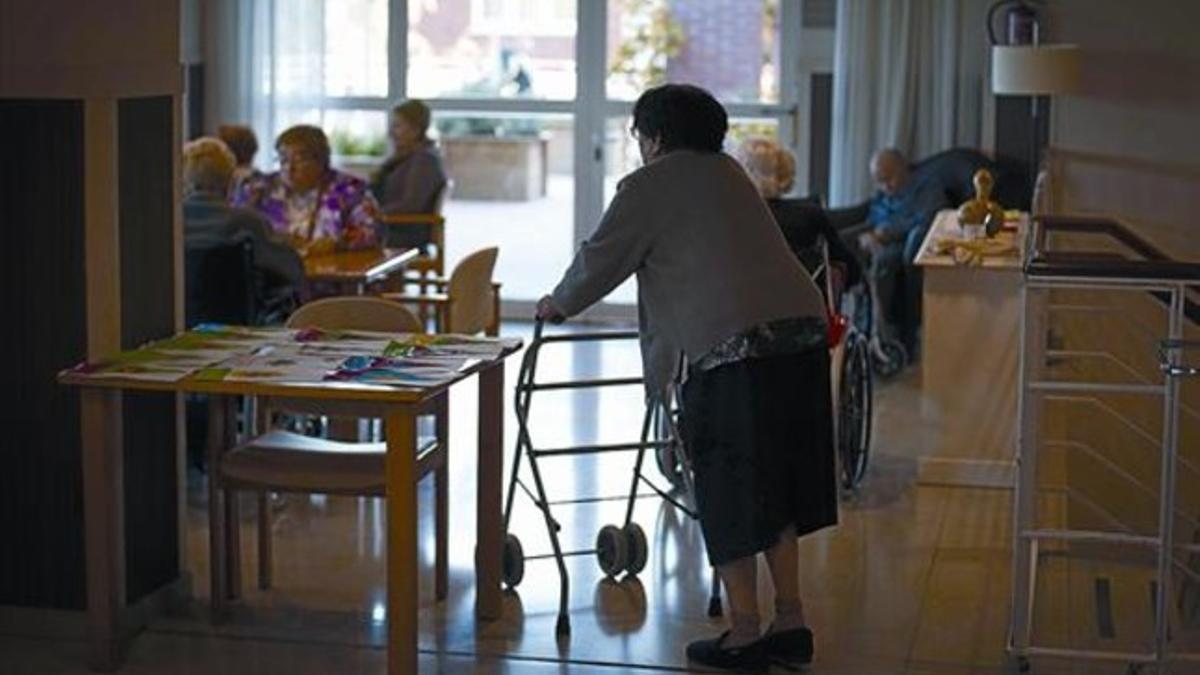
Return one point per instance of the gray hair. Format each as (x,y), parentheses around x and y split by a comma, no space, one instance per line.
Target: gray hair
(208,165)
(770,167)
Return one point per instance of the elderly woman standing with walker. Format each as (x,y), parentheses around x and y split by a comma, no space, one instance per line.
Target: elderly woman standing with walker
(718,285)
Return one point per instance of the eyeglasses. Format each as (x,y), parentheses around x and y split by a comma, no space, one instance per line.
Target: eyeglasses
(285,159)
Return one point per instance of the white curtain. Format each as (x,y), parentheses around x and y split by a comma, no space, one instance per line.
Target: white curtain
(264,66)
(906,73)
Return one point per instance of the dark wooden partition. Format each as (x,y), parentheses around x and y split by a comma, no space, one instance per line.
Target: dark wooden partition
(44,327)
(43,274)
(145,145)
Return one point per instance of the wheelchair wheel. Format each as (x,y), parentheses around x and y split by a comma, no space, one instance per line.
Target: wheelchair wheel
(854,412)
(891,358)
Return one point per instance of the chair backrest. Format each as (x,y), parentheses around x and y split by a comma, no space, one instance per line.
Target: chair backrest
(407,230)
(356,313)
(955,169)
(219,283)
(471,293)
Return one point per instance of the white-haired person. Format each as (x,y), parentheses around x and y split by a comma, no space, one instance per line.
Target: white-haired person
(209,222)
(772,169)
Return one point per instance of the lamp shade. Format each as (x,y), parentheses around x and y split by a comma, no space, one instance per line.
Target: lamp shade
(1036,70)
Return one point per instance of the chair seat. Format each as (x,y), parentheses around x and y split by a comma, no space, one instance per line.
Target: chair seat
(288,461)
(284,461)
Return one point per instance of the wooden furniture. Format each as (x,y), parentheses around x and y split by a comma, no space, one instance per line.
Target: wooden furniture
(469,302)
(969,352)
(356,313)
(103,485)
(283,461)
(428,262)
(354,270)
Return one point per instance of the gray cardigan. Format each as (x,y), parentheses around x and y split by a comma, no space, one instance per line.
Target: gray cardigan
(709,259)
(411,183)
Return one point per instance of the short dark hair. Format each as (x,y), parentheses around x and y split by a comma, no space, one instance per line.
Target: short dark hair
(415,112)
(312,140)
(241,141)
(681,117)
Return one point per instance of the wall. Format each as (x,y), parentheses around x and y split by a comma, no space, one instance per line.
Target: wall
(1141,79)
(1136,115)
(89,121)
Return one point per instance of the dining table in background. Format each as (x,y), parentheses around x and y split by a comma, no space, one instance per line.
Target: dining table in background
(351,272)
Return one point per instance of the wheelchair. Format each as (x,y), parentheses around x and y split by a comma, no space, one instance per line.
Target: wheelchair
(857,353)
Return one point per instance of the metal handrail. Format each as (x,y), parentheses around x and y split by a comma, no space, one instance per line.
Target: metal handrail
(1176,368)
(1151,263)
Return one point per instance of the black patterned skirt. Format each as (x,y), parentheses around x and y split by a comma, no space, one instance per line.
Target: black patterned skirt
(760,435)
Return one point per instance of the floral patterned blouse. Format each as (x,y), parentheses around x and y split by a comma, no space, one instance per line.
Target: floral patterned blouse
(341,208)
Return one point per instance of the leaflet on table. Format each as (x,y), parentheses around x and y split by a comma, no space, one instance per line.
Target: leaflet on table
(152,363)
(276,364)
(152,372)
(456,345)
(403,372)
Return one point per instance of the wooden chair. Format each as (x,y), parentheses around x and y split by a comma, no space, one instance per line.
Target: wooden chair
(283,461)
(395,226)
(468,302)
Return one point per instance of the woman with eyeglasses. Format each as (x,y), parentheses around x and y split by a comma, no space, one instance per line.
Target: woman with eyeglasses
(719,291)
(318,208)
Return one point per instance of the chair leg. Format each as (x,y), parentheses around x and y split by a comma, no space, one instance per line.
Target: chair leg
(264,540)
(219,418)
(441,477)
(217,557)
(441,533)
(233,545)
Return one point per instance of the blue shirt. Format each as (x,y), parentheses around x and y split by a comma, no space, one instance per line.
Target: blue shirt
(913,206)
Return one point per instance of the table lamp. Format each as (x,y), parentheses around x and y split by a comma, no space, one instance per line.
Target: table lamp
(1035,71)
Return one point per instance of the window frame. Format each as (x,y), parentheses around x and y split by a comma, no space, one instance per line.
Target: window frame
(592,108)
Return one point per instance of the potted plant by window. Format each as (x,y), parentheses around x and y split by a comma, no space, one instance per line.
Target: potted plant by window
(357,154)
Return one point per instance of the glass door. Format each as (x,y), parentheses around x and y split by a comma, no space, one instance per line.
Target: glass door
(740,50)
(532,99)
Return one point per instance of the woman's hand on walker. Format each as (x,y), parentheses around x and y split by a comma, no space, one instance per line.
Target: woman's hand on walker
(546,311)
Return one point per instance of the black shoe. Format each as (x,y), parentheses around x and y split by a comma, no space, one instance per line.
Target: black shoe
(791,647)
(749,658)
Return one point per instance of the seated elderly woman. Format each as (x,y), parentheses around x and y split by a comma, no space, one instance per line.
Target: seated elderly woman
(772,169)
(244,145)
(411,180)
(209,222)
(317,208)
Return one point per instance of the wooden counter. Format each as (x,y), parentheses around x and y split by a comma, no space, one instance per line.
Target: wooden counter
(971,320)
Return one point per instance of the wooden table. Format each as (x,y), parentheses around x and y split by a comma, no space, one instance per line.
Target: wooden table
(356,269)
(104,508)
(970,323)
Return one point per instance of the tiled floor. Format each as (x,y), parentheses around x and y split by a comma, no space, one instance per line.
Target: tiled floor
(915,579)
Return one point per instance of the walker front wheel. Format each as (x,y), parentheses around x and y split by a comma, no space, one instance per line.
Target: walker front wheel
(514,561)
(637,548)
(611,550)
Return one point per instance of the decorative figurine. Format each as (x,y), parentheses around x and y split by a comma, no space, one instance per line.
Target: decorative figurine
(981,215)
